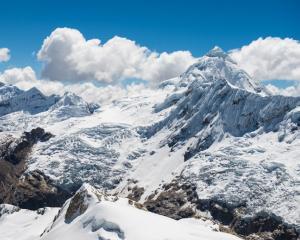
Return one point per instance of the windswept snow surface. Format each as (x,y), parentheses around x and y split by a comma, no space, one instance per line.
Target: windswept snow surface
(104,217)
(24,224)
(116,219)
(213,126)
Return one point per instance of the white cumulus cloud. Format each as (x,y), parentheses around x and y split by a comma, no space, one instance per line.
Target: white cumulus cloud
(73,61)
(68,56)
(18,75)
(25,78)
(270,58)
(289,91)
(4,54)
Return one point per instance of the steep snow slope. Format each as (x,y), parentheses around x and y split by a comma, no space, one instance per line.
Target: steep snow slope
(258,173)
(209,110)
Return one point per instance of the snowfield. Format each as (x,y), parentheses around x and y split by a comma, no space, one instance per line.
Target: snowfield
(24,224)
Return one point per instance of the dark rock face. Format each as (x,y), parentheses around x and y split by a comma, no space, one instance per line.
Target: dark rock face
(14,151)
(76,207)
(31,190)
(35,190)
(219,210)
(171,202)
(136,193)
(265,222)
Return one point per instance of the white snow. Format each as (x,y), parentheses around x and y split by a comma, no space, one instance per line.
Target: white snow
(24,224)
(106,218)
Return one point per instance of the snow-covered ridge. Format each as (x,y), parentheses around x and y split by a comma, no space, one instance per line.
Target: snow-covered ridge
(71,105)
(91,214)
(233,139)
(33,101)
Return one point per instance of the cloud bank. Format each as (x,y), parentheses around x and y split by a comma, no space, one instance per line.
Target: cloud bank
(25,78)
(68,56)
(72,63)
(289,91)
(18,75)
(4,55)
(270,58)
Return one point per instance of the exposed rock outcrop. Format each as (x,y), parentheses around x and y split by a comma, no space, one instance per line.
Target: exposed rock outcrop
(80,201)
(35,190)
(136,193)
(171,202)
(30,190)
(182,201)
(16,150)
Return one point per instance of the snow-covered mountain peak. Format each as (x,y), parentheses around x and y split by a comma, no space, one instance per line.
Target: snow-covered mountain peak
(70,99)
(218,52)
(72,105)
(13,99)
(88,192)
(8,91)
(34,90)
(214,98)
(216,67)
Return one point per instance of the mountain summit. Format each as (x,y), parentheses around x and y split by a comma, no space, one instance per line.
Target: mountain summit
(216,67)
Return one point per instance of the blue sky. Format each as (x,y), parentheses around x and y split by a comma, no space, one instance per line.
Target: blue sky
(160,25)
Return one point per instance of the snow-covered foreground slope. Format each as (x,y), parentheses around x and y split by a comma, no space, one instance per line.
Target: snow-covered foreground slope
(212,139)
(24,224)
(90,215)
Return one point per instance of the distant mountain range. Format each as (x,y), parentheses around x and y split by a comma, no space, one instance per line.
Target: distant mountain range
(211,144)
